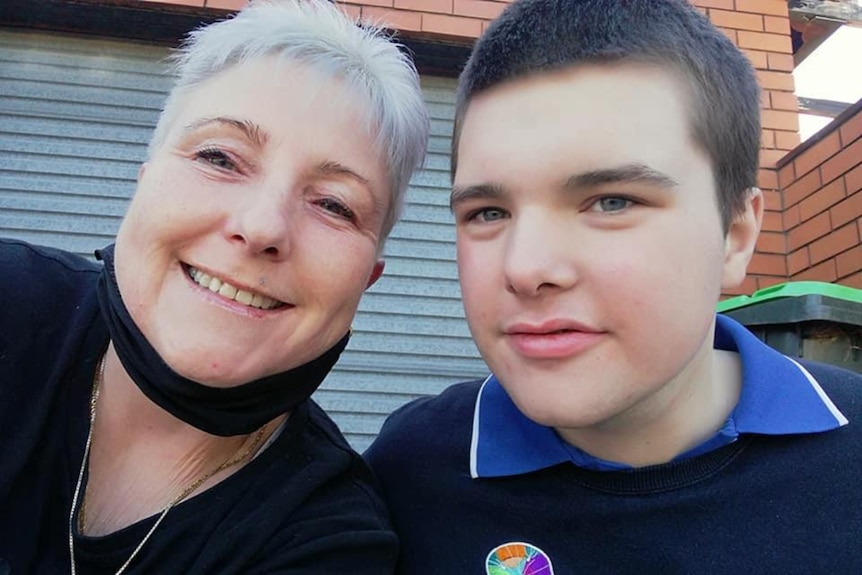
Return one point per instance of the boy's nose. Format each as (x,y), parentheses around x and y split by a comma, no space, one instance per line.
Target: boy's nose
(539,257)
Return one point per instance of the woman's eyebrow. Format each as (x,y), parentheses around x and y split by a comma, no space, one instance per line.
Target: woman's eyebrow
(332,168)
(251,130)
(336,169)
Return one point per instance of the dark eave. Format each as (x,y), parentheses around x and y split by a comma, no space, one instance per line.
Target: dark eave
(822,107)
(846,11)
(839,120)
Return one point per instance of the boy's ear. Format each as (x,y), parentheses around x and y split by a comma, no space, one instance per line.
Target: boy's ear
(741,239)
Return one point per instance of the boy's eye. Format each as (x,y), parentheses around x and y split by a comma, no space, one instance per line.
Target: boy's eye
(217,158)
(611,204)
(488,215)
(337,208)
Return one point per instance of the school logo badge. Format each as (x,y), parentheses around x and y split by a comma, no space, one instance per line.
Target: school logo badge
(518,559)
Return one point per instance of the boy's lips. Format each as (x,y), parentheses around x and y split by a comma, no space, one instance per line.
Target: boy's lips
(549,327)
(552,339)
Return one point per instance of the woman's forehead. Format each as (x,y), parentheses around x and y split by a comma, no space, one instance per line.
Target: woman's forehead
(277,97)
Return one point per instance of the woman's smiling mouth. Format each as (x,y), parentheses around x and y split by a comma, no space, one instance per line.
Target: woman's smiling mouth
(231,292)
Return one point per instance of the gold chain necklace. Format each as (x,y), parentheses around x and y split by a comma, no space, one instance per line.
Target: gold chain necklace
(237,457)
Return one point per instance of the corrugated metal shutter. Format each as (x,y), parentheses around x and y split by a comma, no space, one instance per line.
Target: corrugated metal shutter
(75,117)
(411,337)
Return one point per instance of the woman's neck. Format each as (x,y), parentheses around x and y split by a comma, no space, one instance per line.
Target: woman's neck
(142,457)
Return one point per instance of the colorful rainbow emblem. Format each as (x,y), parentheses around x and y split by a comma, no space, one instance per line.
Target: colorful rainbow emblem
(518,559)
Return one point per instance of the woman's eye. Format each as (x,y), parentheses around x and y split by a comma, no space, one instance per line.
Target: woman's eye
(217,158)
(611,204)
(337,208)
(488,215)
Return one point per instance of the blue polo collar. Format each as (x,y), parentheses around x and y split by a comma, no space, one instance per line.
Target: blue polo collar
(778,397)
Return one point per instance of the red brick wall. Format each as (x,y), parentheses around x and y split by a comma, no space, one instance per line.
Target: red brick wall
(761,29)
(453,19)
(822,192)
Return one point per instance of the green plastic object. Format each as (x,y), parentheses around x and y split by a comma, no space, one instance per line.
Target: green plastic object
(792,289)
(811,320)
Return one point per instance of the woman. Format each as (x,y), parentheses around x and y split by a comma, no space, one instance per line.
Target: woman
(154,410)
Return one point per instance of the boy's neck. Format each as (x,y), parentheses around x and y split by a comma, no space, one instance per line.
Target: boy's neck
(683,414)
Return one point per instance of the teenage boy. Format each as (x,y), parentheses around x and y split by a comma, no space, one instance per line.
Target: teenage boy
(605,157)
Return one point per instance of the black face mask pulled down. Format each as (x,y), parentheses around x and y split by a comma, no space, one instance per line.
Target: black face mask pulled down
(225,411)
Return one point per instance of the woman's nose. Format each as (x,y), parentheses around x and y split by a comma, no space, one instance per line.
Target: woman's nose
(260,225)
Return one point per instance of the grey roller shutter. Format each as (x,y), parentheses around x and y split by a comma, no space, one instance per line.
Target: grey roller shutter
(75,117)
(410,335)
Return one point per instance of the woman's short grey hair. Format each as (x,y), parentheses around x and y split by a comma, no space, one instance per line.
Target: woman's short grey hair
(318,34)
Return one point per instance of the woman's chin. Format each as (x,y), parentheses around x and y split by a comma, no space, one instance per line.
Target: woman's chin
(220,370)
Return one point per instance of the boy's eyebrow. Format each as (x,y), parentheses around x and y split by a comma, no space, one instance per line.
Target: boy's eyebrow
(625,174)
(628,173)
(251,130)
(479,191)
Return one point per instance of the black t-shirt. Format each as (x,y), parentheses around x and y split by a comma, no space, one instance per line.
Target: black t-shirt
(307,504)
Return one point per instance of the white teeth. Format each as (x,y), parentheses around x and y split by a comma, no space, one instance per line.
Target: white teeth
(225,289)
(243,296)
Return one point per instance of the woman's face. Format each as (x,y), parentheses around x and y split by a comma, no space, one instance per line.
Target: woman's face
(255,226)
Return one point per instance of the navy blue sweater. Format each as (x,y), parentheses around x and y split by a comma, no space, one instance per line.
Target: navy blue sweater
(764,504)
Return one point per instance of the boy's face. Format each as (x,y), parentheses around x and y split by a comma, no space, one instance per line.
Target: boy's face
(590,247)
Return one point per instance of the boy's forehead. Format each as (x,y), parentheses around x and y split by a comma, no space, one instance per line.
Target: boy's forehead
(590,77)
(555,126)
(588,101)
(602,88)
